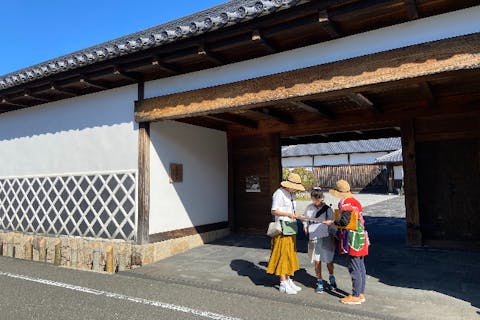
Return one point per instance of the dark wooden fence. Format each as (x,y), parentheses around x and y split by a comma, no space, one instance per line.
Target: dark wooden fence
(363,178)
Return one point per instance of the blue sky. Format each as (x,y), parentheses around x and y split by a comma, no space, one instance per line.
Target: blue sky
(33,31)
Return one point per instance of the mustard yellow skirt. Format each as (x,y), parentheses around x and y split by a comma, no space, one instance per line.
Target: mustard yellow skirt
(283,259)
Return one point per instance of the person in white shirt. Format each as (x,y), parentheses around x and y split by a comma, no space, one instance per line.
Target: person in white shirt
(283,258)
(321,237)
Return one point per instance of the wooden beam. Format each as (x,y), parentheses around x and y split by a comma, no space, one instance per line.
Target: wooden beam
(8,103)
(356,74)
(328,25)
(257,38)
(203,52)
(117,70)
(54,87)
(315,108)
(91,83)
(411,8)
(427,93)
(169,68)
(414,234)
(362,101)
(143,224)
(234,119)
(29,95)
(275,115)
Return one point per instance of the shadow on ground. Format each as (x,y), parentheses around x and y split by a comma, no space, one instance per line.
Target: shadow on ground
(454,273)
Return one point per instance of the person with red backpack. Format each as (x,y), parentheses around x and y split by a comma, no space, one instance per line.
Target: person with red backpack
(353,242)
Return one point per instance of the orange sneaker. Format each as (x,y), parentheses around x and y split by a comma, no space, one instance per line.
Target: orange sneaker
(362,298)
(351,300)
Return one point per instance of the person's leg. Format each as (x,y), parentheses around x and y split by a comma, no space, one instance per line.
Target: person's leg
(363,273)
(318,270)
(354,267)
(331,277)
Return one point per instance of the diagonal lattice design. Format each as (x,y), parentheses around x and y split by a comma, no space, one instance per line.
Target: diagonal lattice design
(93,205)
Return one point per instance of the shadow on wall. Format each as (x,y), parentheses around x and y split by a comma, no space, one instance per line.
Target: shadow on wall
(102,109)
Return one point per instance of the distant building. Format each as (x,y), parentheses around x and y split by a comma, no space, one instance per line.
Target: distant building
(355,161)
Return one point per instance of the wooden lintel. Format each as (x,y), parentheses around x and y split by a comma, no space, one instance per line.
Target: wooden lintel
(92,84)
(234,119)
(423,62)
(202,51)
(411,8)
(328,24)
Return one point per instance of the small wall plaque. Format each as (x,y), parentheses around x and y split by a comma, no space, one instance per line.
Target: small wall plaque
(176,172)
(252,184)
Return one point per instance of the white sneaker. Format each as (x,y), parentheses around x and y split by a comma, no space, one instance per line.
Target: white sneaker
(285,288)
(293,285)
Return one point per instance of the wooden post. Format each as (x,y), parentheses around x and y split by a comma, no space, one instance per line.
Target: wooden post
(96,259)
(28,250)
(109,263)
(143,182)
(57,260)
(414,233)
(42,251)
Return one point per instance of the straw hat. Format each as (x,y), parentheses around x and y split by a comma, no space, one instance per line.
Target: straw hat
(293,181)
(341,190)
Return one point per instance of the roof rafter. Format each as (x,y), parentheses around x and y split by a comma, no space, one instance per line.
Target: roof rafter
(234,119)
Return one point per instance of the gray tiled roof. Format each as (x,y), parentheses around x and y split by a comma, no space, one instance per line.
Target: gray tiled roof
(358,146)
(395,156)
(226,14)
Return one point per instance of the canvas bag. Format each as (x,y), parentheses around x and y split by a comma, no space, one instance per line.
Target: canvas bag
(274,228)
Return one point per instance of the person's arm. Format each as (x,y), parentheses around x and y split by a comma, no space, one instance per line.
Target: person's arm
(286,214)
(342,221)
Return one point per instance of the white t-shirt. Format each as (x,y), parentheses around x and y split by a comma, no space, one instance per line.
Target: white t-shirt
(283,201)
(317,230)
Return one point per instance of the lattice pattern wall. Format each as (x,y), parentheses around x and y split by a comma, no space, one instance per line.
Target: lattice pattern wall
(92,205)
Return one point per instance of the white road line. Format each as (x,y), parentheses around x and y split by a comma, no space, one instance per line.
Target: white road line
(163,305)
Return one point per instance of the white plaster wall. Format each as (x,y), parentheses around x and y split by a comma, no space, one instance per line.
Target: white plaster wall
(429,29)
(398,172)
(202,197)
(94,132)
(331,160)
(291,162)
(365,158)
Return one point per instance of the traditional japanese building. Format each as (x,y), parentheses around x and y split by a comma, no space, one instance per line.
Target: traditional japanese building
(151,136)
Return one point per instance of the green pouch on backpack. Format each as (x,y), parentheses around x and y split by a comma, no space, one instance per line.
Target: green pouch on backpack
(289,227)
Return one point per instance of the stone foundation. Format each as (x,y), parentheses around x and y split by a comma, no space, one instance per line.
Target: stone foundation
(91,253)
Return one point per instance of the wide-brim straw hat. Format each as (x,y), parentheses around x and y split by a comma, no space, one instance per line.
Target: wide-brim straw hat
(341,190)
(294,182)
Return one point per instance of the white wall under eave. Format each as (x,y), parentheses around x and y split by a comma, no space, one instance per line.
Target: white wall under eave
(331,160)
(90,133)
(398,172)
(292,162)
(451,24)
(365,158)
(202,197)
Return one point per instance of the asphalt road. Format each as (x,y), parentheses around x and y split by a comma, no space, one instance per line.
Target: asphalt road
(32,290)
